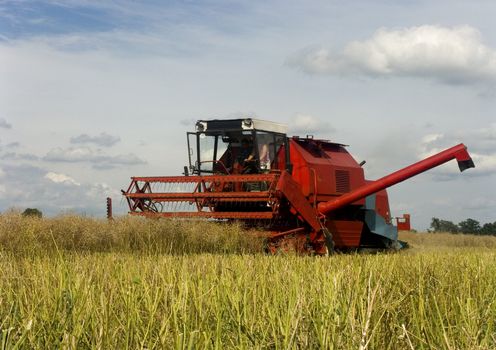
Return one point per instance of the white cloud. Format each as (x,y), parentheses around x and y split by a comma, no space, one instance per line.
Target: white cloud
(478,145)
(485,163)
(51,192)
(4,124)
(61,179)
(427,139)
(484,139)
(103,139)
(18,156)
(454,55)
(99,159)
(102,190)
(306,124)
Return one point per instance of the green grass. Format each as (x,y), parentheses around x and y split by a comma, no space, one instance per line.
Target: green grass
(72,282)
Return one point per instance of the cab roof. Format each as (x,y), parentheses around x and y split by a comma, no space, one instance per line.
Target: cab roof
(221,125)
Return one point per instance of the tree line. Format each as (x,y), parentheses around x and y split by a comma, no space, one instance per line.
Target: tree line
(466,226)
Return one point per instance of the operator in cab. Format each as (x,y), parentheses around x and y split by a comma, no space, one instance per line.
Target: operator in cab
(245,161)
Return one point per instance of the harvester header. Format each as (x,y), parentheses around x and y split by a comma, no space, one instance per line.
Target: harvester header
(309,195)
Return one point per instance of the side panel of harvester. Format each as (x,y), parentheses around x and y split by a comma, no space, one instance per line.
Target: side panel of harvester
(326,171)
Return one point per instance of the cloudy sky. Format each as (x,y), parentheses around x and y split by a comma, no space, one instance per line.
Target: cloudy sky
(93,92)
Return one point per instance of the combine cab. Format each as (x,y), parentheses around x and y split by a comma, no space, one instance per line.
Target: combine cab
(309,195)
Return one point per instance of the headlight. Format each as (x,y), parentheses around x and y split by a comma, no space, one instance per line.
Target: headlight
(201,126)
(247,124)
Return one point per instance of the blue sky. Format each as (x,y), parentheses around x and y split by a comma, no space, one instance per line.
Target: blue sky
(45,18)
(94,92)
(28,18)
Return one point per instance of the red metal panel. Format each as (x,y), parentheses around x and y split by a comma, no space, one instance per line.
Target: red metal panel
(382,205)
(315,163)
(292,191)
(403,223)
(345,234)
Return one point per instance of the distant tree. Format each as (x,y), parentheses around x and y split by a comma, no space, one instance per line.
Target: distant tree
(438,225)
(470,226)
(467,226)
(34,212)
(488,229)
(435,225)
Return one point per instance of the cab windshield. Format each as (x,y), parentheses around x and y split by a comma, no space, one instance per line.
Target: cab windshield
(242,152)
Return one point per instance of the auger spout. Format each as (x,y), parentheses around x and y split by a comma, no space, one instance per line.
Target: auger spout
(458,152)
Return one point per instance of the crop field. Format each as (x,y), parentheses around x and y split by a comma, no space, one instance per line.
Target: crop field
(72,282)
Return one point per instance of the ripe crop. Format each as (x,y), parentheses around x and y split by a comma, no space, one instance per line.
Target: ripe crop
(74,282)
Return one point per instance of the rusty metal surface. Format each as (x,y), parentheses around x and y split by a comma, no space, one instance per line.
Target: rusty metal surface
(206,214)
(213,178)
(194,195)
(109,209)
(218,196)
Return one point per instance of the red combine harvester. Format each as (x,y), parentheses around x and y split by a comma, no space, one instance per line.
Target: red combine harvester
(309,195)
